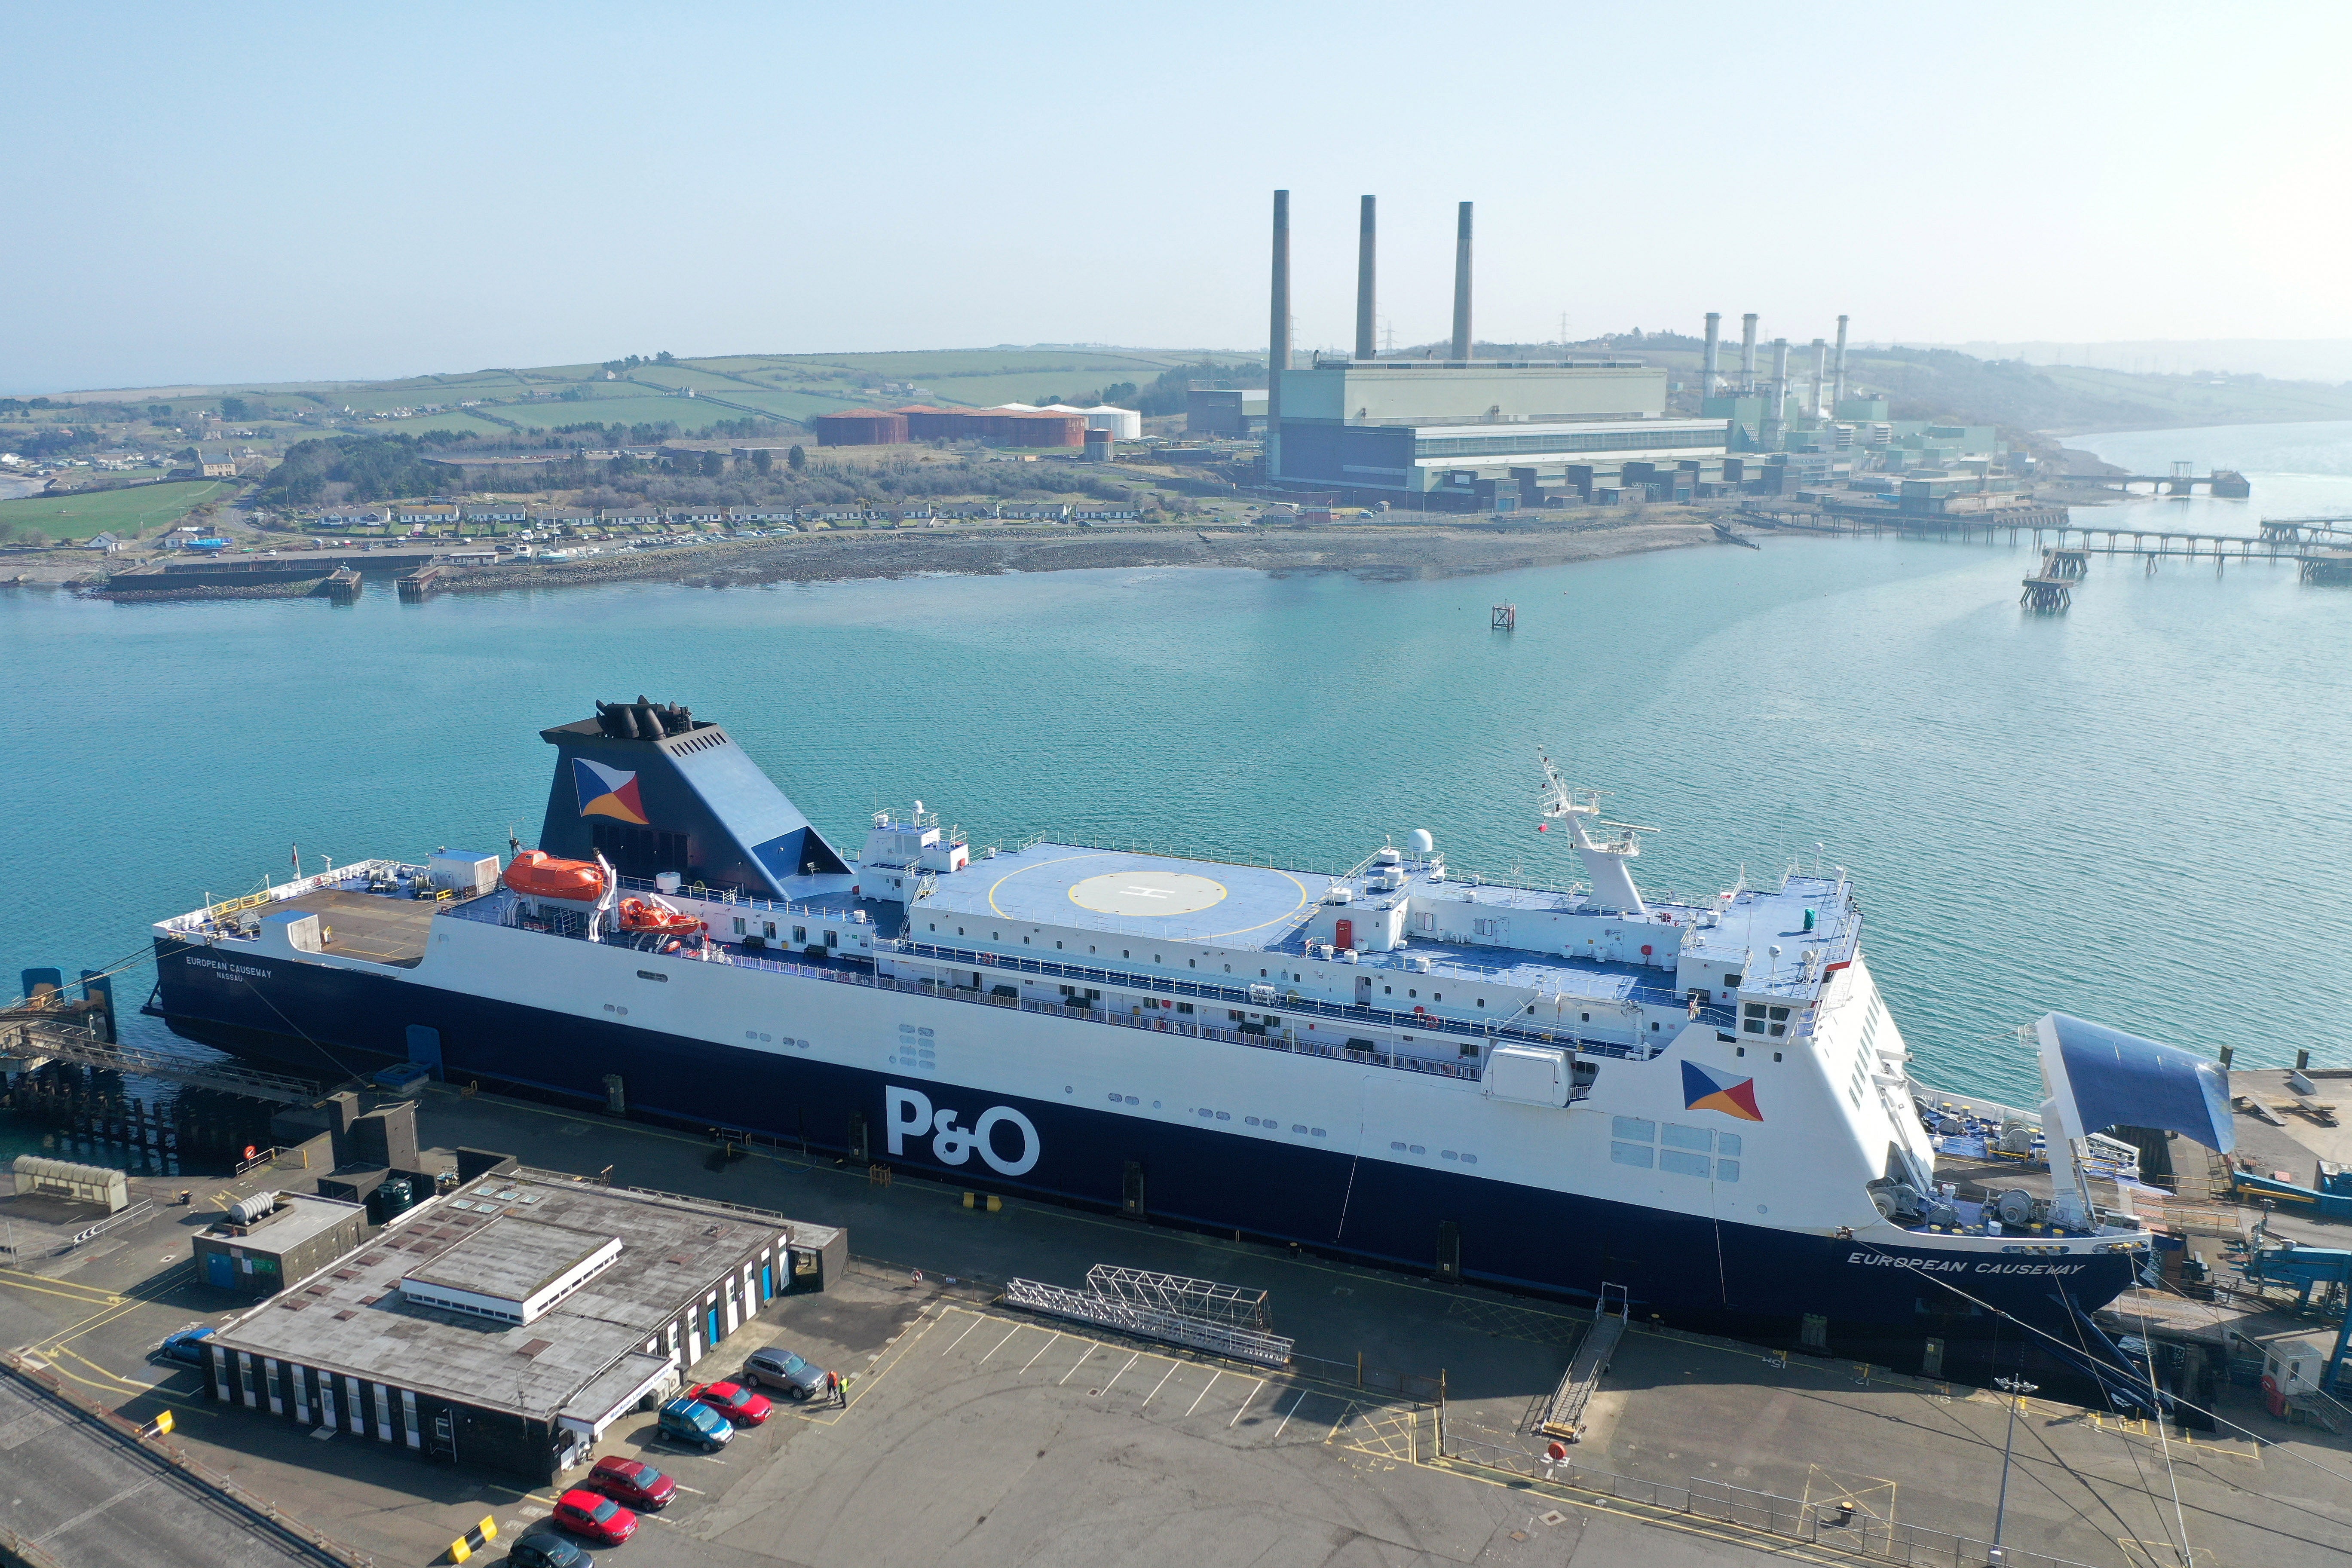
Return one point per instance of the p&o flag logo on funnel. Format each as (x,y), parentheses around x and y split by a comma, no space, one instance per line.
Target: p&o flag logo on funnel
(607,792)
(1704,1089)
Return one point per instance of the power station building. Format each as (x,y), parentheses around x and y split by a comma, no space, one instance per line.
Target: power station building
(1462,433)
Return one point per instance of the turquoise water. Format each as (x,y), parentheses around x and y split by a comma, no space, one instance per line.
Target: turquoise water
(2134,812)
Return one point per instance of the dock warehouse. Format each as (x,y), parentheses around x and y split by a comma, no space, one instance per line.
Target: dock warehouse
(506,1324)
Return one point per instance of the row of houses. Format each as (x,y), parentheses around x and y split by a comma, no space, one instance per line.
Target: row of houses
(436,515)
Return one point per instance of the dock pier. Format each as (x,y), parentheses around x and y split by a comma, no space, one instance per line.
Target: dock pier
(417,585)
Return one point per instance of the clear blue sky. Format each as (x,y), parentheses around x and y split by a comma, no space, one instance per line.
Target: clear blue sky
(253,193)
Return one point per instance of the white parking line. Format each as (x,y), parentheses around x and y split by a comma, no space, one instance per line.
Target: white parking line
(1246,1404)
(1285,1420)
(1040,1351)
(1214,1373)
(1122,1371)
(1079,1363)
(999,1345)
(1161,1384)
(959,1338)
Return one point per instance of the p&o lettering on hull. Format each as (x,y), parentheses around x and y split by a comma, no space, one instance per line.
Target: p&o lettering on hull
(908,1114)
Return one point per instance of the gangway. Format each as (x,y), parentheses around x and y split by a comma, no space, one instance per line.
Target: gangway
(1224,1320)
(1565,1415)
(35,1039)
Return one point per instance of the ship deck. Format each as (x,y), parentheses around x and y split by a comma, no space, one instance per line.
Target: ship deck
(375,927)
(1123,893)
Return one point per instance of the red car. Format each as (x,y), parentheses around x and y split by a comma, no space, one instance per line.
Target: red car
(631,1481)
(595,1516)
(733,1401)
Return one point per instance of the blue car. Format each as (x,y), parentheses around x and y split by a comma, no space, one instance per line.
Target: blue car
(187,1346)
(691,1422)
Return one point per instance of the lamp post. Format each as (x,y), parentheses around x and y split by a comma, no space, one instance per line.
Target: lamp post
(2017,1388)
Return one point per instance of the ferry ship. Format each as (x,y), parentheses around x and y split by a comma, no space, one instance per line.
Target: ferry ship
(1701,1110)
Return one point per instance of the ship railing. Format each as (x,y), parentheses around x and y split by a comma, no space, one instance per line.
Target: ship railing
(735,899)
(358,870)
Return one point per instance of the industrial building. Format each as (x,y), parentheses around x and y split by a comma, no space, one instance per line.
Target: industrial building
(1007,424)
(271,1237)
(508,1323)
(1225,411)
(1461,433)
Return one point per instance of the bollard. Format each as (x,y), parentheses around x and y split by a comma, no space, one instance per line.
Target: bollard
(473,1541)
(157,1427)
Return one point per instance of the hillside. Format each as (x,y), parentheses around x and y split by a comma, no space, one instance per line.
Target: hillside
(692,395)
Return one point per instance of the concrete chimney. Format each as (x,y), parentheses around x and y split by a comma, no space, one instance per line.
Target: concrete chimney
(1821,376)
(1277,357)
(1748,354)
(1776,412)
(1838,367)
(1365,278)
(1462,284)
(1706,381)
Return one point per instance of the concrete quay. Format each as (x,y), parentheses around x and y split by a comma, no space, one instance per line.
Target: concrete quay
(1404,1432)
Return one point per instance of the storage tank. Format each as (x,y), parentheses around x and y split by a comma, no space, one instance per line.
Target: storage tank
(860,427)
(1042,429)
(1124,424)
(925,423)
(1098,445)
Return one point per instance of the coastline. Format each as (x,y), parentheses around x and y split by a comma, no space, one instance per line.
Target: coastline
(1370,551)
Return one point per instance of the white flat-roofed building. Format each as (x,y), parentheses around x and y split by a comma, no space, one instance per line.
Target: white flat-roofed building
(509,1323)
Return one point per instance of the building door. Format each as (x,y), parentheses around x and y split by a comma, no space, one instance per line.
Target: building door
(767,1283)
(1343,934)
(857,1138)
(1131,1193)
(425,1047)
(1363,990)
(220,1269)
(1449,1252)
(710,1326)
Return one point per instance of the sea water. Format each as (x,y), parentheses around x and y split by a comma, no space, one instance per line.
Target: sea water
(2134,812)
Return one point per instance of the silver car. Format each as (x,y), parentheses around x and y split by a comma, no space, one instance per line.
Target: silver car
(777,1368)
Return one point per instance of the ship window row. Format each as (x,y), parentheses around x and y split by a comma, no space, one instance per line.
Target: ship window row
(1642,1156)
(1764,1018)
(1403,1148)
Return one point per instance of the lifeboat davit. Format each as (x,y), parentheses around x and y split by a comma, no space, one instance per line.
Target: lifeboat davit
(542,876)
(636,914)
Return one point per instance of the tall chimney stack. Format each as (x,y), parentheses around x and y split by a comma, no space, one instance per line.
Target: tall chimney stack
(1365,278)
(1462,285)
(1821,376)
(1838,366)
(1776,412)
(1748,354)
(1277,356)
(1706,381)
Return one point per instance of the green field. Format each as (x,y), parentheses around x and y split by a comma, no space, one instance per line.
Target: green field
(142,509)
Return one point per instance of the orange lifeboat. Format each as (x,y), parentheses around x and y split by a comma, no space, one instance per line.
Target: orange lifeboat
(638,915)
(542,876)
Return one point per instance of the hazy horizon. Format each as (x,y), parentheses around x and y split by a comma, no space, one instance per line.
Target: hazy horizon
(355,196)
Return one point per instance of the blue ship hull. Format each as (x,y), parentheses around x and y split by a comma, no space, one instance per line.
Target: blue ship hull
(1689,1269)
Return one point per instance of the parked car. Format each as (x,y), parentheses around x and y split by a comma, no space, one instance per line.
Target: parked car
(187,1345)
(733,1401)
(549,1549)
(692,1422)
(631,1481)
(595,1516)
(772,1366)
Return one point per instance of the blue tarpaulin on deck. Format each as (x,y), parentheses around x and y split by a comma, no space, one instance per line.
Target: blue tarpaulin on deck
(2114,1079)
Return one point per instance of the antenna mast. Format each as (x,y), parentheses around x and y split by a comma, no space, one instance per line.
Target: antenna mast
(1604,857)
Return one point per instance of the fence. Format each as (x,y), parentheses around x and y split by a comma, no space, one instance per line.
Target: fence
(1833,1525)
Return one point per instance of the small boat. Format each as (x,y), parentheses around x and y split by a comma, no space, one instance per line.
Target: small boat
(542,876)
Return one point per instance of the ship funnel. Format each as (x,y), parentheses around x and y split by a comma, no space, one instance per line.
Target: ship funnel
(651,788)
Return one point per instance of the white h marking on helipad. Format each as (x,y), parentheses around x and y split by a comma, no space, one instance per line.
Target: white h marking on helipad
(1146,892)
